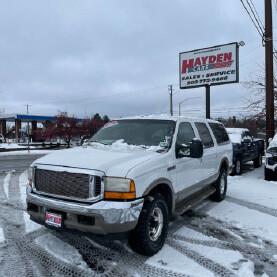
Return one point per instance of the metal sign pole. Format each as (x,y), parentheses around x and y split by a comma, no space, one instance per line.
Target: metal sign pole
(208,102)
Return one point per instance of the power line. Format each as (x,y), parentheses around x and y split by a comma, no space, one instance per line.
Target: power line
(259,31)
(257,14)
(261,28)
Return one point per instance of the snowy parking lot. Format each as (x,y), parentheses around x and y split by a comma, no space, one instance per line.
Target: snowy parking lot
(237,237)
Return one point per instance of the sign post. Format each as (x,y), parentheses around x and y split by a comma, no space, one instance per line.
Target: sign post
(208,67)
(208,102)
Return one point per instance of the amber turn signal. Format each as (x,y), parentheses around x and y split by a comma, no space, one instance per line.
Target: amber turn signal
(30,182)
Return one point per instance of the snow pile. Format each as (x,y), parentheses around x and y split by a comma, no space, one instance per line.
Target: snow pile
(235,134)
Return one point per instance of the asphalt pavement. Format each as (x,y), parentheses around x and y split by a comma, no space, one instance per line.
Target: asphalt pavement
(19,163)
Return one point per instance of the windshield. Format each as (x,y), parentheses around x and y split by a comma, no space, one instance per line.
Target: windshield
(139,132)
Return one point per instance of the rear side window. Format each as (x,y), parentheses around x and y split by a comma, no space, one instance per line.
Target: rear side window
(204,134)
(219,132)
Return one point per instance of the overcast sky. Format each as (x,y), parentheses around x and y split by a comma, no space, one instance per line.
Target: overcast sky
(55,52)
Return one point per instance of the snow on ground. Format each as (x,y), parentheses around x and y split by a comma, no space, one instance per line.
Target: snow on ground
(230,259)
(61,250)
(170,259)
(254,222)
(11,145)
(250,187)
(25,152)
(253,188)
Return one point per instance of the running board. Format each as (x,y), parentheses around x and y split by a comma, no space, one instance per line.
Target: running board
(193,200)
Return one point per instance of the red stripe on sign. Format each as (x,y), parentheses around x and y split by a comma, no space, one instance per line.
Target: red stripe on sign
(222,64)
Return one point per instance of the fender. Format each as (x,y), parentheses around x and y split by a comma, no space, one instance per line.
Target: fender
(224,160)
(162,181)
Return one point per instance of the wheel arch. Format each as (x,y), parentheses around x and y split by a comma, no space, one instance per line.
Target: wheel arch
(224,164)
(164,187)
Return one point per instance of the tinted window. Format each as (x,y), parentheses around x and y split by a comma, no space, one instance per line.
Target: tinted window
(185,133)
(204,134)
(219,132)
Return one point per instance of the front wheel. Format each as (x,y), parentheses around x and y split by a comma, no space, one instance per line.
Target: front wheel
(221,186)
(151,231)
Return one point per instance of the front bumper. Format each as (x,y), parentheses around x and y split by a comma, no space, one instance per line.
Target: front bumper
(108,216)
(271,162)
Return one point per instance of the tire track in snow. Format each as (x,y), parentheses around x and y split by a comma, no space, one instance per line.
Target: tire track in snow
(216,230)
(218,269)
(111,251)
(252,206)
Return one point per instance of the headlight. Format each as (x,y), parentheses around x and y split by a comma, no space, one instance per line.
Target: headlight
(119,188)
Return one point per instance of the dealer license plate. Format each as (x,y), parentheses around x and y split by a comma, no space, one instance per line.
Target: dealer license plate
(53,219)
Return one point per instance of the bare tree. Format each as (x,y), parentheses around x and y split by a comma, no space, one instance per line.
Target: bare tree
(255,103)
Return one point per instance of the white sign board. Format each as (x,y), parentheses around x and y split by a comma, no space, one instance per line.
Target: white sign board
(209,66)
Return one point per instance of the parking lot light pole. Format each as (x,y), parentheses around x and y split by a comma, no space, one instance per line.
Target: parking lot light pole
(180,103)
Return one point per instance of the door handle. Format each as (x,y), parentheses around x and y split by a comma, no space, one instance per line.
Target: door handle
(171,168)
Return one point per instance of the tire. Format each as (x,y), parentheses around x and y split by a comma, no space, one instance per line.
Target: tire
(221,186)
(140,239)
(237,167)
(268,174)
(258,161)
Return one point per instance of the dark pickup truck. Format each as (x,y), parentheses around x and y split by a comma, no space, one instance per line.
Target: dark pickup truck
(245,149)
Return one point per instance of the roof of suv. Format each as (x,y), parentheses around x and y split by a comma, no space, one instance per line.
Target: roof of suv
(166,117)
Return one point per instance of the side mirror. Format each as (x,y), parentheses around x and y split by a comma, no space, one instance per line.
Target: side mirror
(193,150)
(196,149)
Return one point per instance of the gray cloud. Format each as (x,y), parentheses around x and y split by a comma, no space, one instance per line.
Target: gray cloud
(54,51)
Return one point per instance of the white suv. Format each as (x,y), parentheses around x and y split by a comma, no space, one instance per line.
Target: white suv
(130,177)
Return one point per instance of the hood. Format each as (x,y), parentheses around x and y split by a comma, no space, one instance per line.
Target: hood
(112,162)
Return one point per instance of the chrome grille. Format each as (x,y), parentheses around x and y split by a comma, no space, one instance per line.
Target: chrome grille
(66,184)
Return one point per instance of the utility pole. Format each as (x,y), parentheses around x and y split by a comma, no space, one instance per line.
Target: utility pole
(28,131)
(170,99)
(269,71)
(208,102)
